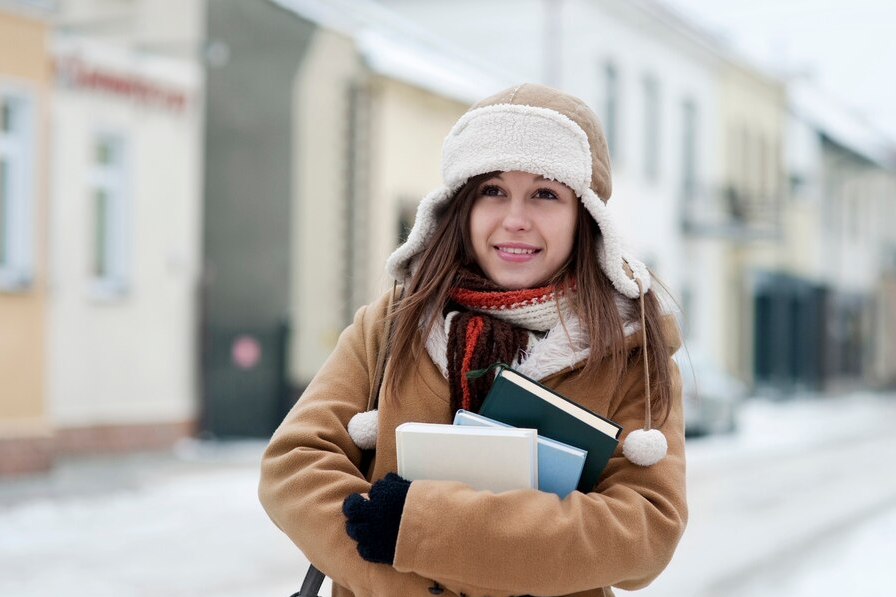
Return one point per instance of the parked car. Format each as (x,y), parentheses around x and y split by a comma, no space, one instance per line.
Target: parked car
(712,397)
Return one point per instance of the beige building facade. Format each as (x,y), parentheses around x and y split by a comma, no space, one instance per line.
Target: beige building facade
(25,430)
(99,227)
(753,111)
(369,148)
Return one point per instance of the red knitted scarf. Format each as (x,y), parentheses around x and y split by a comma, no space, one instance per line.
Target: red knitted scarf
(479,333)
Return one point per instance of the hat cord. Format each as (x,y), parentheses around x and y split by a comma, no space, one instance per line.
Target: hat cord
(647,422)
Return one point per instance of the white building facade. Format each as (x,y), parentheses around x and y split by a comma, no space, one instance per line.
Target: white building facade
(124,236)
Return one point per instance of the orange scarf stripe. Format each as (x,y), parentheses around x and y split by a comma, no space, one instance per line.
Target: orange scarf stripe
(496,300)
(474,328)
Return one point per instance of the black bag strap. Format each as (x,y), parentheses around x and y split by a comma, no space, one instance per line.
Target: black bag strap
(314,578)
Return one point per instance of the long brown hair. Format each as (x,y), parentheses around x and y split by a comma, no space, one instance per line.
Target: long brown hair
(594,301)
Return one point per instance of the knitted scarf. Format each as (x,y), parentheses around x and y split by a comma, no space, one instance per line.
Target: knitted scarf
(487,324)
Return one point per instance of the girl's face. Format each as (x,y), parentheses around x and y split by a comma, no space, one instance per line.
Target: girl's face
(522,228)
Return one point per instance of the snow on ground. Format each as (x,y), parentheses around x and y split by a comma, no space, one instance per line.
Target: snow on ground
(794,485)
(144,526)
(859,562)
(188,523)
(765,427)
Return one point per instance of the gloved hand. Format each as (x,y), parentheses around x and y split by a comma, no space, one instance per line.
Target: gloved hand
(374,522)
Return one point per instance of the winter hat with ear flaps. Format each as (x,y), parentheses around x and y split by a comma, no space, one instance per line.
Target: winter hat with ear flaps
(536,129)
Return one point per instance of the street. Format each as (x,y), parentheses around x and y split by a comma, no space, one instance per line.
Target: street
(780,507)
(798,502)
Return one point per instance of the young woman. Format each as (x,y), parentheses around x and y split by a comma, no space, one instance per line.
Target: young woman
(515,260)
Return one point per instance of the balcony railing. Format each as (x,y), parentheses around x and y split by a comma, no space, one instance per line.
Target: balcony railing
(728,212)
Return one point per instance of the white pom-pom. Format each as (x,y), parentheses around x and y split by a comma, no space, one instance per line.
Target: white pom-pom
(645,448)
(362,429)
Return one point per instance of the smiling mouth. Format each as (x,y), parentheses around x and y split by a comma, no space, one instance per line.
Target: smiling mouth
(516,254)
(517,251)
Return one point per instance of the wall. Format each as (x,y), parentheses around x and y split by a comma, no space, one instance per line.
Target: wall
(24,426)
(406,154)
(323,180)
(125,357)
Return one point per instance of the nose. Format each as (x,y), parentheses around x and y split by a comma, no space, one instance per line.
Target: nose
(517,216)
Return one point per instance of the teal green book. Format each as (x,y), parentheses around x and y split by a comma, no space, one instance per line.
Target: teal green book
(516,400)
(559,465)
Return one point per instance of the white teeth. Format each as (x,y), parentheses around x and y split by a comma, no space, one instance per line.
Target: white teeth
(516,251)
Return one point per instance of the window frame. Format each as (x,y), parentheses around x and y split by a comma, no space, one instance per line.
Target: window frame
(113,281)
(17,150)
(690,131)
(612,102)
(652,127)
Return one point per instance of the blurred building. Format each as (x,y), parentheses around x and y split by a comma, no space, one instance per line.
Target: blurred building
(25,90)
(196,196)
(768,224)
(827,315)
(325,121)
(125,223)
(125,227)
(100,162)
(733,225)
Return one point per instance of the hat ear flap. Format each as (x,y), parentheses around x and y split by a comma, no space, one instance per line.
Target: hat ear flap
(623,271)
(398,265)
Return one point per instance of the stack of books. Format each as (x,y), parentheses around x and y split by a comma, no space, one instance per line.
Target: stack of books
(525,436)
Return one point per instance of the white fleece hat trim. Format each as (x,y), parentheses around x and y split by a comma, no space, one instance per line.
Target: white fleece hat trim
(507,137)
(398,265)
(612,256)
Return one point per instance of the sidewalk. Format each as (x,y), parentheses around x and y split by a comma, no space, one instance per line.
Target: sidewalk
(182,523)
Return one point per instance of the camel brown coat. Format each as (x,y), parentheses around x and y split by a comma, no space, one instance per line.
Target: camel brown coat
(474,543)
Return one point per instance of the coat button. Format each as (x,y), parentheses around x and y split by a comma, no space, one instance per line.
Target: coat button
(436,588)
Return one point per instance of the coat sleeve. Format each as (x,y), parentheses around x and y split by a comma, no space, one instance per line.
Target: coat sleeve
(311,465)
(623,533)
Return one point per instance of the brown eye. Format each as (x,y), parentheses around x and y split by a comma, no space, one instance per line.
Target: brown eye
(545,194)
(490,190)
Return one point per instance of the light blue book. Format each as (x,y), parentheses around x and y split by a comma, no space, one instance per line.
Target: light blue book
(559,465)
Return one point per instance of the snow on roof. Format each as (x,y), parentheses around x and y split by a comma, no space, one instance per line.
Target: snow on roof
(841,124)
(393,46)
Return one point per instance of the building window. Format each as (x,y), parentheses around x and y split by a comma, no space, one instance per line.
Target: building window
(108,205)
(764,174)
(651,128)
(746,161)
(689,148)
(16,196)
(407,212)
(611,108)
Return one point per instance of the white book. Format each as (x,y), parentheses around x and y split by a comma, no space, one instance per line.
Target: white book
(491,458)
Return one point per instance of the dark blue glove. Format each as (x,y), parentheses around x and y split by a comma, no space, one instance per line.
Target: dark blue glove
(374,522)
